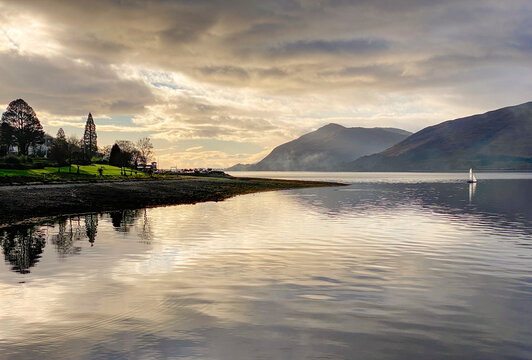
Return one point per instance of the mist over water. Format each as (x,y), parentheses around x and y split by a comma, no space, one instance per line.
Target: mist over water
(394,266)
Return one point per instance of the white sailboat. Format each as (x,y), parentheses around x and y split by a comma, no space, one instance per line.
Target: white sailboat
(472,178)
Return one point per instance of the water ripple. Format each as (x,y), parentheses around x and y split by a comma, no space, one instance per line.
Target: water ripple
(395,268)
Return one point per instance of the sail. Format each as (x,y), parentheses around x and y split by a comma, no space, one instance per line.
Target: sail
(472,178)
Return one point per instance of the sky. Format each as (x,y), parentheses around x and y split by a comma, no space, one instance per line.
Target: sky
(215,83)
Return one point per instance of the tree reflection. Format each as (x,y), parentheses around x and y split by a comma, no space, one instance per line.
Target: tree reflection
(66,237)
(145,234)
(123,220)
(91,227)
(22,246)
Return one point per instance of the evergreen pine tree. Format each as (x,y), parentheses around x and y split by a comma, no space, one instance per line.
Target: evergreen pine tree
(88,142)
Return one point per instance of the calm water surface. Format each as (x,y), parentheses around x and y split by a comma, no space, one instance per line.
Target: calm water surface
(394,266)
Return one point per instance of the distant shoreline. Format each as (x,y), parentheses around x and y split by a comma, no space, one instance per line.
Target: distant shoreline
(380,171)
(27,202)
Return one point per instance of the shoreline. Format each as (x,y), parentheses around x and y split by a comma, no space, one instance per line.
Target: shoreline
(32,202)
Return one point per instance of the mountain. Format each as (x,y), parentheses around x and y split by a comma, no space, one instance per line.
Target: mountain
(327,148)
(240,167)
(499,139)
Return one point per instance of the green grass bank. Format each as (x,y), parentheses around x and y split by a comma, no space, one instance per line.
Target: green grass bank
(67,174)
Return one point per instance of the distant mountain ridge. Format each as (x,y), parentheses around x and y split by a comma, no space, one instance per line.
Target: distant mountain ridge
(499,139)
(327,148)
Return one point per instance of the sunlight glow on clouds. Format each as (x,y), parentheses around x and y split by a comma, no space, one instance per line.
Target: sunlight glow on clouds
(25,33)
(261,72)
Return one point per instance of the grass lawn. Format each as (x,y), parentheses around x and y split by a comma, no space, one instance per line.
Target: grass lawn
(85,171)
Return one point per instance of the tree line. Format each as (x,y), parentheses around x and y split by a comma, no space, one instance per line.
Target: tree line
(20,129)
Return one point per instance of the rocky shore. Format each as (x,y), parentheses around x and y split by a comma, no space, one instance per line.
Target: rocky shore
(24,202)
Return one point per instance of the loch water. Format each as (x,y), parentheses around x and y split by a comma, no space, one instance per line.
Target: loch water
(393,266)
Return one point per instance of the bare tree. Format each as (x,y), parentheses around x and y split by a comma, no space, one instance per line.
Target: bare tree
(106,151)
(61,134)
(145,148)
(125,145)
(27,129)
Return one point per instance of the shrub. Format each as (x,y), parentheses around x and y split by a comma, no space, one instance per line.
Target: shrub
(12,159)
(23,162)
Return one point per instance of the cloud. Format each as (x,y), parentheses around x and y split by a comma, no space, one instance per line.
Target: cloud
(224,72)
(331,48)
(206,159)
(264,72)
(65,87)
(194,148)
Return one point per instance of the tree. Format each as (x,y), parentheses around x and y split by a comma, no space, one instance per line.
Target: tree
(6,138)
(115,156)
(125,145)
(89,143)
(59,150)
(61,134)
(145,148)
(106,151)
(129,153)
(74,151)
(27,129)
(134,158)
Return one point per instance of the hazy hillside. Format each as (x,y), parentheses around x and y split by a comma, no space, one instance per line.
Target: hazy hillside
(327,148)
(499,139)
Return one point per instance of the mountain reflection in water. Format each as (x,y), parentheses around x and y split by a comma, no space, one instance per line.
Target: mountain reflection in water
(505,202)
(379,269)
